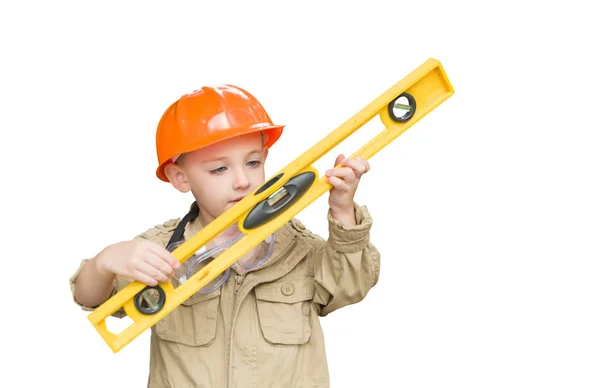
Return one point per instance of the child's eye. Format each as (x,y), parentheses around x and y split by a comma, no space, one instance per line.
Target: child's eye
(219,170)
(254,163)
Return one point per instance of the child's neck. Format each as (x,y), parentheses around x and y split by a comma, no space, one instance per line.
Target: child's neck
(227,235)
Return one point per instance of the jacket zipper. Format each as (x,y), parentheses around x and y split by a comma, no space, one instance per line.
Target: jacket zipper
(286,251)
(239,279)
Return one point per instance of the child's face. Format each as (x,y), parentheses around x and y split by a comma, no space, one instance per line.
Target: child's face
(221,174)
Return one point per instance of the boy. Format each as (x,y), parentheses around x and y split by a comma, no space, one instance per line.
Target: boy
(259,327)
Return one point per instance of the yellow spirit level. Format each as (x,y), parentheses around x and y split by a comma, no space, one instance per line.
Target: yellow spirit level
(276,202)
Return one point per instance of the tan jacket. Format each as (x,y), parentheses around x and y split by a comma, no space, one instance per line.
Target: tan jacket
(261,329)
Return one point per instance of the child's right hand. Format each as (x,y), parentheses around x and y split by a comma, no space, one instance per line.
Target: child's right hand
(141,260)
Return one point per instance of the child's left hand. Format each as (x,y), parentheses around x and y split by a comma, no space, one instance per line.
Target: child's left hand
(345,181)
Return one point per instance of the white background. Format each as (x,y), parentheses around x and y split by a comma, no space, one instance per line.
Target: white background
(486,211)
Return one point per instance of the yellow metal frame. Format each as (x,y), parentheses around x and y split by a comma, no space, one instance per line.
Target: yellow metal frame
(428,84)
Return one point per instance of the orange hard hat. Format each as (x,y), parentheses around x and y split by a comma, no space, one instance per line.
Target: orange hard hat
(208,116)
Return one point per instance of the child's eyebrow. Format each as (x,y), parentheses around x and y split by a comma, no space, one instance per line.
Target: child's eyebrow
(225,157)
(213,160)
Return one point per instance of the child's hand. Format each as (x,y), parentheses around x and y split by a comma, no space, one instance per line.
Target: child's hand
(345,181)
(141,260)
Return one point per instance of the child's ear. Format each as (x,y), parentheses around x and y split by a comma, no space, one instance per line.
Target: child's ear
(266,152)
(177,177)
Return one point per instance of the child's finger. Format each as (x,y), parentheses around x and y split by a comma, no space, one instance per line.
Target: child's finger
(357,166)
(158,263)
(336,182)
(165,255)
(151,271)
(345,173)
(144,278)
(365,162)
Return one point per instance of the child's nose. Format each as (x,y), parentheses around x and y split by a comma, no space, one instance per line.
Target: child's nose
(241,180)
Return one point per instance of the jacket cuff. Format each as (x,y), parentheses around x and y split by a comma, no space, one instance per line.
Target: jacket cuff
(119,313)
(348,239)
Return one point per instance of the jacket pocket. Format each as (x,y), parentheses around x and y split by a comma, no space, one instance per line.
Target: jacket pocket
(192,323)
(284,309)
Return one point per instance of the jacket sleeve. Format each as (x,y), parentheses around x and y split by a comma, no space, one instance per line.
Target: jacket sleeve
(346,265)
